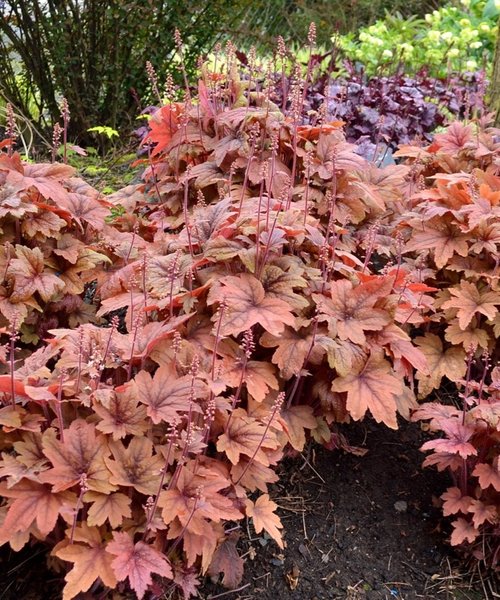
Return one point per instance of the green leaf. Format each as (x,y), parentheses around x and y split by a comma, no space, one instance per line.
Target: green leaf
(491,9)
(109,132)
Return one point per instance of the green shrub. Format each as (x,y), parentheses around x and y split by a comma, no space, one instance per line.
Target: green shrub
(448,39)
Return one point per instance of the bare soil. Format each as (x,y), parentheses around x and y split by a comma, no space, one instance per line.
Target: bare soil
(360,527)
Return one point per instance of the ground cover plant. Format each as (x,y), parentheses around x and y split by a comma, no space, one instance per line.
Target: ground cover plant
(468,448)
(48,219)
(263,283)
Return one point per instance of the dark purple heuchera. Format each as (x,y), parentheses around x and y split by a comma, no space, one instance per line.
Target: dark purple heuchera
(383,112)
(394,110)
(383,107)
(142,131)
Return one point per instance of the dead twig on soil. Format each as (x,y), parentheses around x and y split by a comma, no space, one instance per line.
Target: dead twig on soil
(228,592)
(304,526)
(306,462)
(455,585)
(418,572)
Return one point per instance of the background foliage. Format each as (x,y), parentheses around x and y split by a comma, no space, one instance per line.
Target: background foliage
(264,20)
(452,38)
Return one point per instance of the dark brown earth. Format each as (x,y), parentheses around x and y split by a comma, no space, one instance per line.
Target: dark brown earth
(347,538)
(356,527)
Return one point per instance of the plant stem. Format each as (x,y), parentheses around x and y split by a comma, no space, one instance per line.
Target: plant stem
(59,408)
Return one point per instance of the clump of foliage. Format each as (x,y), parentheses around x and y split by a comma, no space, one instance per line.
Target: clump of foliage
(48,219)
(241,269)
(394,110)
(468,448)
(451,230)
(449,39)
(256,293)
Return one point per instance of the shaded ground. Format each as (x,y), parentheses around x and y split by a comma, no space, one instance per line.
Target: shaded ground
(357,527)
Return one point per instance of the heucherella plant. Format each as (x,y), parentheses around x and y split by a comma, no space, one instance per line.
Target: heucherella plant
(49,219)
(467,446)
(262,284)
(452,231)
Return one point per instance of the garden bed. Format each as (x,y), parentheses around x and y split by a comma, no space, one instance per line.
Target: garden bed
(356,527)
